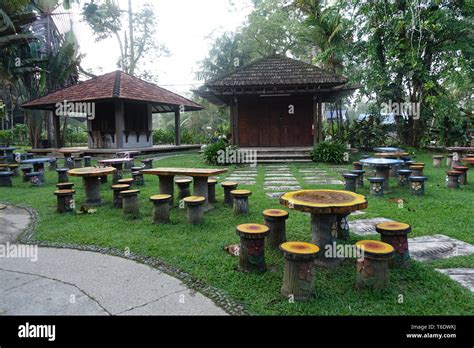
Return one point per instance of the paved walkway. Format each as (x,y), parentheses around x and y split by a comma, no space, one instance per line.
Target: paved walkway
(73,282)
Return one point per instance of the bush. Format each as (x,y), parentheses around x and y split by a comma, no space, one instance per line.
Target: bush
(18,135)
(6,137)
(329,152)
(163,137)
(211,152)
(75,136)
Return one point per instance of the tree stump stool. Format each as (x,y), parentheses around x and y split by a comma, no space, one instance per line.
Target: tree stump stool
(240,200)
(350,181)
(376,186)
(372,268)
(77,162)
(298,276)
(65,186)
(357,166)
(406,165)
(275,219)
(53,164)
(416,170)
(14,168)
(452,179)
(127,181)
(147,163)
(229,186)
(252,247)
(138,179)
(417,185)
(449,160)
(35,178)
(183,188)
(396,234)
(437,161)
(161,208)
(6,179)
(117,197)
(69,162)
(211,187)
(195,209)
(65,201)
(130,203)
(360,177)
(87,161)
(403,175)
(62,175)
(25,171)
(463,176)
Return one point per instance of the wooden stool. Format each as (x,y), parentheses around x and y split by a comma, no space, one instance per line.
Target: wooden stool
(211,187)
(65,200)
(229,186)
(130,203)
(138,179)
(25,171)
(161,208)
(35,178)
(14,169)
(136,169)
(360,177)
(437,161)
(298,277)
(452,179)
(417,185)
(241,201)
(127,181)
(463,176)
(416,170)
(403,175)
(275,219)
(117,198)
(372,268)
(376,186)
(62,175)
(77,162)
(6,179)
(407,164)
(87,161)
(195,211)
(357,166)
(252,247)
(183,188)
(395,234)
(350,181)
(65,186)
(449,160)
(147,163)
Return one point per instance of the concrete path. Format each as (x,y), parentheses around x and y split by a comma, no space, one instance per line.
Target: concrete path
(50,281)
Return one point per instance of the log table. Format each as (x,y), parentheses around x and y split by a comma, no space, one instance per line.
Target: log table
(393,155)
(38,165)
(67,153)
(388,149)
(117,163)
(8,151)
(199,175)
(325,207)
(90,178)
(382,168)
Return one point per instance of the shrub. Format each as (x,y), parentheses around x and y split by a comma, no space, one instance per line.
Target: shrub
(163,137)
(329,152)
(211,152)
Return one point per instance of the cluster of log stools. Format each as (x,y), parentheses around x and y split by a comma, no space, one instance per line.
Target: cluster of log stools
(457,175)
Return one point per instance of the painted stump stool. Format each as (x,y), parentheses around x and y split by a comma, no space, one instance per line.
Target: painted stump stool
(161,208)
(417,185)
(437,161)
(407,164)
(452,179)
(463,176)
(241,201)
(38,165)
(350,181)
(357,166)
(195,209)
(65,201)
(298,276)
(138,179)
(91,183)
(376,186)
(130,203)
(211,187)
(325,206)
(403,175)
(35,178)
(26,170)
(6,179)
(77,162)
(228,187)
(396,234)
(449,160)
(360,177)
(372,268)
(126,181)
(117,197)
(184,188)
(62,175)
(417,170)
(87,161)
(275,219)
(65,186)
(252,247)
(147,163)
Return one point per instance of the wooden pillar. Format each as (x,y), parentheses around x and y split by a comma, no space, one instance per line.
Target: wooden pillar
(56,131)
(177,127)
(235,121)
(119,124)
(315,120)
(320,122)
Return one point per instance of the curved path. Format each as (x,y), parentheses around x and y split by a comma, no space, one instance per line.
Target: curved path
(51,281)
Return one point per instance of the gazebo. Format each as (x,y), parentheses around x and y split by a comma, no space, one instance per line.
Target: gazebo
(276,101)
(118,108)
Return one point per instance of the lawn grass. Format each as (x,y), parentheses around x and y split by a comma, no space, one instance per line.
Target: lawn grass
(198,250)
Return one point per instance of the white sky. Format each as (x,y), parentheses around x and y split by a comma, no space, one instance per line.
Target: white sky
(183,27)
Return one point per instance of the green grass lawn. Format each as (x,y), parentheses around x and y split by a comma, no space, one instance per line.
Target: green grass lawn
(198,250)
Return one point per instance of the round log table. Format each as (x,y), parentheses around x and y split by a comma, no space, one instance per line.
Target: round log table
(387,149)
(90,179)
(325,207)
(382,168)
(117,163)
(393,155)
(67,153)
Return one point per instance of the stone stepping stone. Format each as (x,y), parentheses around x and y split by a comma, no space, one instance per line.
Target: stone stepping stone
(278,174)
(464,276)
(364,227)
(276,182)
(280,178)
(275,194)
(325,182)
(358,212)
(438,246)
(316,178)
(282,188)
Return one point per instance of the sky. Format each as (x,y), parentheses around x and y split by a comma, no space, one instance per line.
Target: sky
(184,27)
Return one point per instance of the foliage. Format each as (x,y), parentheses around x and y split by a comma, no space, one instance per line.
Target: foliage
(18,135)
(212,150)
(329,152)
(167,136)
(75,136)
(163,136)
(368,133)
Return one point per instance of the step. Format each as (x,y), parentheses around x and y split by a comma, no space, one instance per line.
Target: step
(284,160)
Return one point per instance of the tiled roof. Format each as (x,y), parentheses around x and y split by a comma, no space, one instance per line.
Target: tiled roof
(114,85)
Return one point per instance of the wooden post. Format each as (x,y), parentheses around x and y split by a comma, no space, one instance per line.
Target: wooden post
(235,109)
(315,121)
(177,127)
(119,124)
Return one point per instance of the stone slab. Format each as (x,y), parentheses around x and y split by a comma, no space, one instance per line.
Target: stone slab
(275,195)
(13,221)
(438,246)
(280,182)
(464,276)
(364,227)
(282,188)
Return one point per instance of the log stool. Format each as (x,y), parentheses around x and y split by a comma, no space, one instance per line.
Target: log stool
(183,188)
(452,179)
(137,169)
(138,179)
(463,176)
(449,160)
(6,179)
(147,163)
(407,164)
(35,178)
(53,164)
(357,166)
(14,168)
(365,156)
(211,187)
(117,198)
(360,177)
(298,276)
(77,162)
(417,185)
(229,186)
(87,161)
(437,161)
(161,208)
(195,211)
(395,234)
(25,171)
(127,181)
(130,203)
(376,186)
(241,201)
(275,219)
(403,175)
(350,181)
(252,247)
(62,175)
(417,170)
(65,186)
(65,200)
(372,268)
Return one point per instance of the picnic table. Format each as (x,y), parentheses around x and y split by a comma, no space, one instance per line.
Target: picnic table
(8,151)
(38,165)
(382,168)
(117,163)
(200,176)
(67,153)
(91,181)
(325,207)
(388,149)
